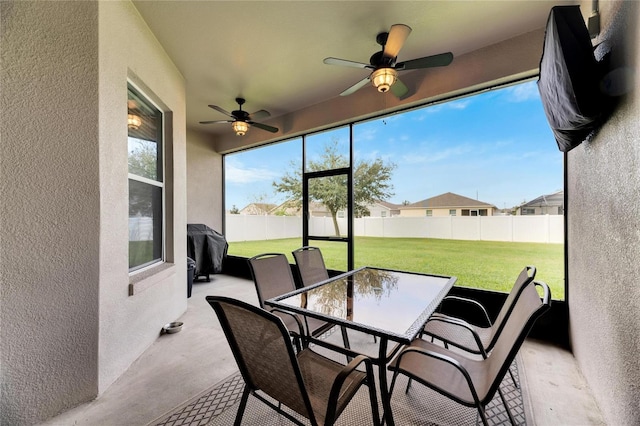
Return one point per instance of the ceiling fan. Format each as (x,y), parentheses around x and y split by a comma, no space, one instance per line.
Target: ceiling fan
(384,76)
(242,119)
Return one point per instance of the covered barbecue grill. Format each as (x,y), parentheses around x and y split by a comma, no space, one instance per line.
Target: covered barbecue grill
(207,248)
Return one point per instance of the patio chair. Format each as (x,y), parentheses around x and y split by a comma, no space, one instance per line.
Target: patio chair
(272,277)
(473,382)
(312,270)
(313,386)
(478,340)
(311,267)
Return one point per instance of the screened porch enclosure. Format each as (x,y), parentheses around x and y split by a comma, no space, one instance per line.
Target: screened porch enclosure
(434,189)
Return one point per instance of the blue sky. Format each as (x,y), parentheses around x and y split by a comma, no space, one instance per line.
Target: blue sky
(495,147)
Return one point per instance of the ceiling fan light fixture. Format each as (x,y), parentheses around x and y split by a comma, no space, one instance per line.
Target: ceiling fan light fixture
(240,127)
(133,121)
(383,78)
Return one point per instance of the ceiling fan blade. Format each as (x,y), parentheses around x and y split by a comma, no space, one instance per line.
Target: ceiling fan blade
(259,115)
(399,89)
(346,63)
(397,36)
(263,126)
(216,121)
(440,60)
(355,87)
(217,108)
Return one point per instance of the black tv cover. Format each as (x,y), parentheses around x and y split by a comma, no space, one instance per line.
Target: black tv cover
(569,83)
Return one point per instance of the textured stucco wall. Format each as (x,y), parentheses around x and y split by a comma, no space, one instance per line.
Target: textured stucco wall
(204,181)
(69,326)
(129,324)
(603,190)
(49,208)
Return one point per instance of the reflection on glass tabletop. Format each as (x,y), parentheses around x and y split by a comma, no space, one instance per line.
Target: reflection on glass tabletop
(392,301)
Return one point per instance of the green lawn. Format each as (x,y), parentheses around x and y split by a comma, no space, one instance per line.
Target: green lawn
(140,252)
(481,264)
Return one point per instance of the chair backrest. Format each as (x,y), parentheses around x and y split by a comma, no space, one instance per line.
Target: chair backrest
(525,277)
(528,307)
(263,351)
(271,275)
(310,265)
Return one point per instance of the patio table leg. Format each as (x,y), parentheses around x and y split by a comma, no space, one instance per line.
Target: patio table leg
(387,416)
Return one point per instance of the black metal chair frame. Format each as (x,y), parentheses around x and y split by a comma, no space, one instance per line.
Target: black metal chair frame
(454,321)
(478,403)
(252,388)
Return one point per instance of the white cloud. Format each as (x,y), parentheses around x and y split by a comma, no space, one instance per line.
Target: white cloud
(522,92)
(236,173)
(366,134)
(459,104)
(437,156)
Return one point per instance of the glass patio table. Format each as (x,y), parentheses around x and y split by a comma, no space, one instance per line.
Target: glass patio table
(391,305)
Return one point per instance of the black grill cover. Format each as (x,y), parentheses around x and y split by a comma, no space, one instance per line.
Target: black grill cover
(207,247)
(570,78)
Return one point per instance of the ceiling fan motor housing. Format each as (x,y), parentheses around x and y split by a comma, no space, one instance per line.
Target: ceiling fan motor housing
(379,61)
(240,114)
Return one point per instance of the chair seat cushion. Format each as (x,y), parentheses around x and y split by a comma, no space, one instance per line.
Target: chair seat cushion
(439,375)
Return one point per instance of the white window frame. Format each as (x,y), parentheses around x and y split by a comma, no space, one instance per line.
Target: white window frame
(160,184)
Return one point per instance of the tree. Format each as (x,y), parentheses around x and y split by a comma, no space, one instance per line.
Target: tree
(371,183)
(143,161)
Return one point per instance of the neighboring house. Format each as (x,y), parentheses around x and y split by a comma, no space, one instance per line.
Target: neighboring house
(257,209)
(319,210)
(288,208)
(448,204)
(376,209)
(544,204)
(292,208)
(383,209)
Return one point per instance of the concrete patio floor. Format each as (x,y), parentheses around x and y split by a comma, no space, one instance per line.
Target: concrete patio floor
(180,366)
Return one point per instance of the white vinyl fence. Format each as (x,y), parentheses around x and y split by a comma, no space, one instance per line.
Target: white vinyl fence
(140,228)
(531,229)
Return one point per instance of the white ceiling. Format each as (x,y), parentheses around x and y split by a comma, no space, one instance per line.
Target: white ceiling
(271,52)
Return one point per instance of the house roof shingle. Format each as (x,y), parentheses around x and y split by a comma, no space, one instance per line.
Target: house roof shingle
(448,199)
(387,204)
(555,199)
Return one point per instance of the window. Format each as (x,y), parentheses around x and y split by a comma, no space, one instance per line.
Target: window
(528,211)
(383,213)
(146,185)
(452,212)
(269,176)
(429,212)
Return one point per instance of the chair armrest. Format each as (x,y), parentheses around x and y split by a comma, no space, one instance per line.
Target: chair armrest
(342,376)
(457,322)
(439,358)
(302,333)
(470,302)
